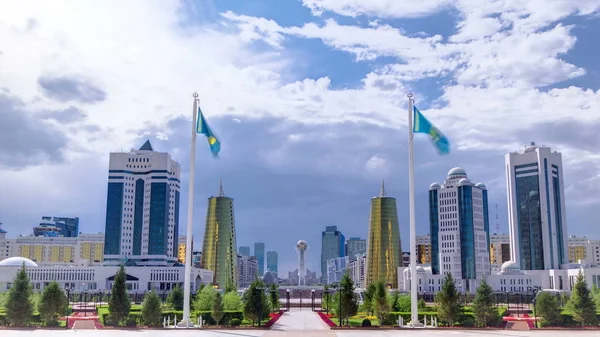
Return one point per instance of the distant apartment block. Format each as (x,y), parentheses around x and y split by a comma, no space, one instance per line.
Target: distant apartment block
(499,250)
(423,249)
(356,246)
(585,250)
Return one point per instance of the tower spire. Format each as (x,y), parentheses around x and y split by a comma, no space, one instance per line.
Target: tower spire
(382,191)
(221,193)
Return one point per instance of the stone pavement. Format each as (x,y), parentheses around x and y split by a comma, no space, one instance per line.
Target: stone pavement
(301,324)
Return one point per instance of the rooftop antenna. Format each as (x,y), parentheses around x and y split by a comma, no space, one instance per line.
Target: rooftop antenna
(497,221)
(382,191)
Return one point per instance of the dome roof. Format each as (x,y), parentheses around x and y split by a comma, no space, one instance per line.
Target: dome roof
(510,266)
(268,277)
(464,182)
(481,185)
(420,270)
(17,261)
(457,172)
(435,186)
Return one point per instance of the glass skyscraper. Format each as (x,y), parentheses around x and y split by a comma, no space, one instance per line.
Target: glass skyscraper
(332,246)
(272,262)
(459,227)
(259,253)
(356,246)
(219,248)
(384,251)
(244,250)
(142,208)
(536,208)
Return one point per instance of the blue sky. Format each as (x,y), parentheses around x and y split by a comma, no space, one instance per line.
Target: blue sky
(308,98)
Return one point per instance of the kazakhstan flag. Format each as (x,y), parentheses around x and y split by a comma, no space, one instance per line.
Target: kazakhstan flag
(423,125)
(203,128)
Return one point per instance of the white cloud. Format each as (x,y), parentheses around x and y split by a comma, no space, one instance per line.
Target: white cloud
(380,8)
(376,164)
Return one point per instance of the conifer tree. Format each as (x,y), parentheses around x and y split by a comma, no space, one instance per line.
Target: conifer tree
(448,301)
(548,308)
(581,305)
(484,304)
(119,304)
(53,303)
(217,308)
(274,297)
(18,304)
(380,302)
(175,298)
(152,309)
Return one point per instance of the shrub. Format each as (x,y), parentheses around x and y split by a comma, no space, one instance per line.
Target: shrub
(366,322)
(235,322)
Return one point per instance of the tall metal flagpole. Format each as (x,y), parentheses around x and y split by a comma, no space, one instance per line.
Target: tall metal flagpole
(186,322)
(413,235)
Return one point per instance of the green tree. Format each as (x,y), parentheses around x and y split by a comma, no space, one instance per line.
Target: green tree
(119,304)
(53,304)
(256,304)
(548,308)
(274,297)
(232,301)
(380,301)
(349,305)
(484,304)
(152,309)
(205,299)
(217,308)
(368,306)
(18,304)
(175,298)
(393,301)
(448,301)
(404,303)
(581,305)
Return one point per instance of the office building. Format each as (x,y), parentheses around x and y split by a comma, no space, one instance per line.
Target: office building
(244,251)
(356,246)
(4,248)
(181,248)
(142,208)
(423,249)
(459,227)
(536,208)
(336,268)
(585,250)
(499,250)
(83,250)
(57,226)
(332,246)
(259,253)
(247,270)
(219,248)
(294,278)
(358,268)
(384,251)
(273,262)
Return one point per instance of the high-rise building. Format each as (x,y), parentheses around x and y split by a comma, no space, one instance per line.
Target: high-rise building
(142,208)
(219,248)
(582,248)
(273,262)
(459,227)
(355,246)
(247,270)
(536,208)
(259,253)
(423,249)
(4,248)
(336,268)
(384,250)
(499,250)
(57,226)
(332,246)
(244,251)
(181,248)
(357,268)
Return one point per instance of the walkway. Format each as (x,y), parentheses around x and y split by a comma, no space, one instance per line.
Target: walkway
(301,324)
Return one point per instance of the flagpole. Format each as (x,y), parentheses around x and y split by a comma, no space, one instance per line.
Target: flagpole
(413,235)
(186,322)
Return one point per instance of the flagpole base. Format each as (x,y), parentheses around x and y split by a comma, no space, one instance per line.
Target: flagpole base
(185,324)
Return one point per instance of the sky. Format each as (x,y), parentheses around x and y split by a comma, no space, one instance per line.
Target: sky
(308,98)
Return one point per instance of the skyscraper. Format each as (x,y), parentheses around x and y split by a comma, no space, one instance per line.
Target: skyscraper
(459,227)
(244,250)
(57,226)
(536,208)
(219,248)
(355,246)
(272,262)
(499,249)
(142,208)
(259,252)
(332,246)
(384,251)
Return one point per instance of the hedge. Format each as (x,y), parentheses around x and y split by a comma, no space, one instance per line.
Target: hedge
(136,318)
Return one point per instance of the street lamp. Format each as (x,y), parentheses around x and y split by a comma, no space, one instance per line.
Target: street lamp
(68,305)
(259,289)
(535,291)
(313,300)
(287,295)
(338,288)
(327,292)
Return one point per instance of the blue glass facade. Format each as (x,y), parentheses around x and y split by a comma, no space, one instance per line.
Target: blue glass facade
(259,253)
(467,231)
(486,218)
(159,219)
(138,217)
(562,258)
(333,244)
(529,224)
(176,227)
(434,229)
(114,217)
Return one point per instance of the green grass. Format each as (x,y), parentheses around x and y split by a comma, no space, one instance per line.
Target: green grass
(355,321)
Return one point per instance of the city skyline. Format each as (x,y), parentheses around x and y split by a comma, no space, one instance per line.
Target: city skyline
(310,111)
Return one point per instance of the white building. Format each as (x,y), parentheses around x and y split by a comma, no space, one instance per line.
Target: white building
(536,208)
(247,270)
(99,278)
(83,250)
(142,212)
(583,249)
(4,248)
(509,279)
(336,268)
(459,227)
(499,250)
(358,267)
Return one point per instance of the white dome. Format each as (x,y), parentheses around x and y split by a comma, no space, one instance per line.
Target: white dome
(17,261)
(435,186)
(464,182)
(510,266)
(481,185)
(420,270)
(457,172)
